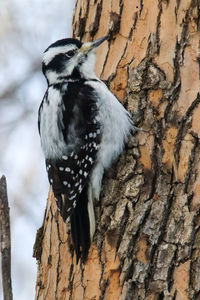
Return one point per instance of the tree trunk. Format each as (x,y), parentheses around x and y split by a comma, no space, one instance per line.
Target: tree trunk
(147,242)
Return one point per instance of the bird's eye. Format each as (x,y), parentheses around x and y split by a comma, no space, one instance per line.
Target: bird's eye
(70,53)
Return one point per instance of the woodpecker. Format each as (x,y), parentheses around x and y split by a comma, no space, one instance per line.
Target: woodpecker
(83,129)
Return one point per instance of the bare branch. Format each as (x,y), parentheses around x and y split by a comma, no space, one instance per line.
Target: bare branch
(5,245)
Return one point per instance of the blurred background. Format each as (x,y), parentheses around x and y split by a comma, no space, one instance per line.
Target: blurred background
(27,28)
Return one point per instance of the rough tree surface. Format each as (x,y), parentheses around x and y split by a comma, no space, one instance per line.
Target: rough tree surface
(147,242)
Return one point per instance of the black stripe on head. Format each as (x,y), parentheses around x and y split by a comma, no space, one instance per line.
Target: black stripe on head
(65,42)
(57,64)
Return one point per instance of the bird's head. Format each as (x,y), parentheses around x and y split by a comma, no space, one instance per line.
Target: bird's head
(70,58)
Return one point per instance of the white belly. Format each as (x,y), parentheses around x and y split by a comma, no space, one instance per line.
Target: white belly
(116,130)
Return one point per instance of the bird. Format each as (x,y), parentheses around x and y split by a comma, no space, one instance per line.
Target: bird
(83,129)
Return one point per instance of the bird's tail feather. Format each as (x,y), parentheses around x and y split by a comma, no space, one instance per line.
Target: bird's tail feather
(82,225)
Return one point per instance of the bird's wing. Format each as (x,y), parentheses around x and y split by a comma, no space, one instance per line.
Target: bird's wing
(82,133)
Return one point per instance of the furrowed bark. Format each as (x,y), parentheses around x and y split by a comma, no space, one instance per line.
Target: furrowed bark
(147,244)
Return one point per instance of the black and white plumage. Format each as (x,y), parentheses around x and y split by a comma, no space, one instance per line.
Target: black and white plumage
(83,129)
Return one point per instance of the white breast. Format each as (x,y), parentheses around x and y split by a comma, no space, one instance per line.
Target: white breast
(117,126)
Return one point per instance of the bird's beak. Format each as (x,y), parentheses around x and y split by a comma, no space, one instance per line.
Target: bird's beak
(86,47)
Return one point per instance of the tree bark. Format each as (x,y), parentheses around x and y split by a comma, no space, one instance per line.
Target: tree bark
(147,243)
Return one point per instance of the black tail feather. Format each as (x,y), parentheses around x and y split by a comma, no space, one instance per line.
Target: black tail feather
(80,227)
(75,236)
